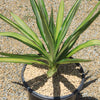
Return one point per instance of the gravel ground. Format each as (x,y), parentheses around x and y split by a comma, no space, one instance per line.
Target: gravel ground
(10,72)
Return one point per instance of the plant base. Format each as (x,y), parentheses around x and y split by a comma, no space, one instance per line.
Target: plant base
(36,96)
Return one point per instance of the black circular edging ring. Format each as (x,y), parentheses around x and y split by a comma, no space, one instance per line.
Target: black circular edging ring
(36,96)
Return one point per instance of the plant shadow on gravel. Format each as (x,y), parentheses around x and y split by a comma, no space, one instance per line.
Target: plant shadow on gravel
(79,97)
(86,84)
(68,69)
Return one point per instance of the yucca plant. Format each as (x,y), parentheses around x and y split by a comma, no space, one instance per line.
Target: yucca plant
(53,53)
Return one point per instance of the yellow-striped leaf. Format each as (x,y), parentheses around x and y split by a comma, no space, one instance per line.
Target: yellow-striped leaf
(19,28)
(82,46)
(30,56)
(21,60)
(68,61)
(73,38)
(59,19)
(66,24)
(26,28)
(24,40)
(42,7)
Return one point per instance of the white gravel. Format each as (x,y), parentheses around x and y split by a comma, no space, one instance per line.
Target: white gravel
(10,72)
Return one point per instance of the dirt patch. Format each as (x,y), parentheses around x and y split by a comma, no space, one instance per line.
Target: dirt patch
(64,82)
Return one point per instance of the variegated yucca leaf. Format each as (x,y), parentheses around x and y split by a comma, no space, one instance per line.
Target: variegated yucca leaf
(38,19)
(15,26)
(82,46)
(19,28)
(53,52)
(59,19)
(51,23)
(24,26)
(30,56)
(68,61)
(21,60)
(79,30)
(44,28)
(43,8)
(24,40)
(86,20)
(66,24)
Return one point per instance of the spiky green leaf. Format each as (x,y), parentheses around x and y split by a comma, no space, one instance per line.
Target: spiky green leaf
(19,28)
(48,35)
(21,60)
(51,23)
(88,17)
(82,46)
(30,56)
(38,18)
(42,7)
(26,28)
(59,19)
(43,27)
(14,25)
(73,38)
(68,61)
(66,24)
(81,26)
(24,40)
